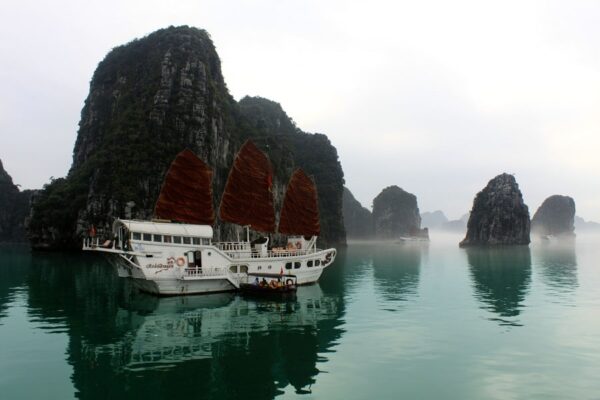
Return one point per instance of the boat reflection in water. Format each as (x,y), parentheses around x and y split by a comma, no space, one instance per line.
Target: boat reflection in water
(220,343)
(501,278)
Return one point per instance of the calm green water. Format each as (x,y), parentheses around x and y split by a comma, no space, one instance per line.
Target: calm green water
(385,322)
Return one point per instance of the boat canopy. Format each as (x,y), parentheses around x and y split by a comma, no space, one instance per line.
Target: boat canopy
(247,199)
(300,211)
(165,228)
(186,193)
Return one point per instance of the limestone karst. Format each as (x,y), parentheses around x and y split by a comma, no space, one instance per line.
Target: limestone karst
(499,215)
(396,214)
(556,217)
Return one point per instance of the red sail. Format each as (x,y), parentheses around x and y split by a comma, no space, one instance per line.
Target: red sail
(186,193)
(247,199)
(300,212)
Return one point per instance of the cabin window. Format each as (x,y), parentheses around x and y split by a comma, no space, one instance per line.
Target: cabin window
(269,267)
(136,236)
(206,241)
(243,269)
(196,240)
(297,265)
(157,238)
(233,269)
(259,267)
(317,263)
(186,240)
(288,265)
(147,237)
(167,239)
(309,263)
(177,239)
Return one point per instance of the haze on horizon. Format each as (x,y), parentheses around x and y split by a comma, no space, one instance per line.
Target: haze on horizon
(435,97)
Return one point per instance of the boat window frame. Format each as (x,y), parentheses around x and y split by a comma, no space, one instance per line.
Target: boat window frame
(136,236)
(297,265)
(167,239)
(288,265)
(196,241)
(309,263)
(186,240)
(156,238)
(177,239)
(147,237)
(317,263)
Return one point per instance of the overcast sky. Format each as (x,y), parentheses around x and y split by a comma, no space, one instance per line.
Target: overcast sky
(436,97)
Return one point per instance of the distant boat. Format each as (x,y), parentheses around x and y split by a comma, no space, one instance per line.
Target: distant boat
(174,254)
(409,239)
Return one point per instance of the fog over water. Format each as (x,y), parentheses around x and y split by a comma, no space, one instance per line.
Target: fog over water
(436,97)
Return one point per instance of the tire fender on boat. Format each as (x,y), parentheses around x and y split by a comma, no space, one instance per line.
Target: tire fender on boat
(180,261)
(289,282)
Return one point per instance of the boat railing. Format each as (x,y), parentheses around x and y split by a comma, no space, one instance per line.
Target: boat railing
(233,246)
(274,253)
(93,243)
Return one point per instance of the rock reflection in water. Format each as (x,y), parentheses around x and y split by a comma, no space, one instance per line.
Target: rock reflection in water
(501,278)
(558,266)
(124,343)
(397,269)
(14,265)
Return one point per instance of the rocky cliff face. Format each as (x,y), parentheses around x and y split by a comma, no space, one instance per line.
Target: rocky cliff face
(357,219)
(148,100)
(499,216)
(395,214)
(14,209)
(556,216)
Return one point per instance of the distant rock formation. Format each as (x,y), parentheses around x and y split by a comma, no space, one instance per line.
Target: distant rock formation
(456,225)
(396,214)
(556,216)
(499,216)
(357,219)
(150,99)
(433,220)
(14,209)
(586,226)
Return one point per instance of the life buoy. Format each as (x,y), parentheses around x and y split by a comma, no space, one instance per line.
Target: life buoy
(180,261)
(289,282)
(298,245)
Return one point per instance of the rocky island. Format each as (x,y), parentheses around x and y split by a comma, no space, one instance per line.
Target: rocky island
(358,220)
(556,217)
(14,209)
(149,100)
(499,215)
(396,214)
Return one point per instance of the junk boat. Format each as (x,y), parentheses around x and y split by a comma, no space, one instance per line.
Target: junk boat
(174,254)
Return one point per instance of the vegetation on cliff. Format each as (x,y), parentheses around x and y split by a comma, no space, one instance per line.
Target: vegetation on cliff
(152,98)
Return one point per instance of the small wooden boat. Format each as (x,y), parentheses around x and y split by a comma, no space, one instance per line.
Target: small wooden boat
(268,284)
